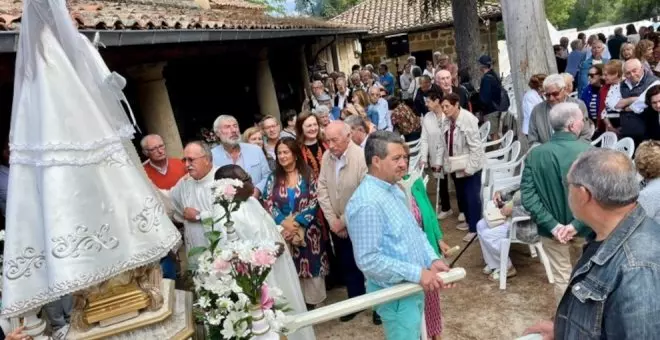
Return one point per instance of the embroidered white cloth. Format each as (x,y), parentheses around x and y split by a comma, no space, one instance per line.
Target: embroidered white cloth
(79,209)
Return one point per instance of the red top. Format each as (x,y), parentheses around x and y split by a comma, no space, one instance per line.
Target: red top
(450,138)
(175,170)
(600,124)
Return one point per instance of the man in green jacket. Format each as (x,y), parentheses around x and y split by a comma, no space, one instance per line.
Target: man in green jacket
(545,194)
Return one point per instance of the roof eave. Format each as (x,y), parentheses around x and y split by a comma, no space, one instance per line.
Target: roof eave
(9,39)
(415,29)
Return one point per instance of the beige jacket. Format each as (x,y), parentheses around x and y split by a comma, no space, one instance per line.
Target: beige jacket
(431,139)
(335,191)
(467,141)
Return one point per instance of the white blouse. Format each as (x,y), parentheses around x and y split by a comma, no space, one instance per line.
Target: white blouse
(530,100)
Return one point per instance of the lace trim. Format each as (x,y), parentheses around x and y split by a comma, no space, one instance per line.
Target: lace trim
(126,131)
(96,157)
(85,281)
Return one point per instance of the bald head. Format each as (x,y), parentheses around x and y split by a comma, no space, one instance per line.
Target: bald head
(633,70)
(443,79)
(338,136)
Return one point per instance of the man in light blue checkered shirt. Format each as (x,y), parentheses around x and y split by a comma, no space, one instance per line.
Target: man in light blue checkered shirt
(388,244)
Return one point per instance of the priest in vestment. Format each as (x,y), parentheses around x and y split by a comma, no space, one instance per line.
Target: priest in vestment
(192,196)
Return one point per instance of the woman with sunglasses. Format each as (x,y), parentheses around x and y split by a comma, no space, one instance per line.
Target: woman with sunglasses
(591,96)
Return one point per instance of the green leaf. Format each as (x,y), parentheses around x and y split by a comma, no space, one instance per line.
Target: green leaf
(196,251)
(208,221)
(213,236)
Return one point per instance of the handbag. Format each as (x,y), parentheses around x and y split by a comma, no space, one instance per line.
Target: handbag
(456,163)
(494,217)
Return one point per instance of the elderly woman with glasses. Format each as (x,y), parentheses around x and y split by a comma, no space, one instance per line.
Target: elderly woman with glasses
(647,161)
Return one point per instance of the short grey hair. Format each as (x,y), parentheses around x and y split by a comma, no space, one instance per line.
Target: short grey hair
(143,141)
(206,149)
(356,121)
(321,110)
(377,144)
(562,114)
(220,119)
(577,45)
(609,175)
(554,80)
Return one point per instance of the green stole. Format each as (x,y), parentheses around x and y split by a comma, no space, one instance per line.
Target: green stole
(429,218)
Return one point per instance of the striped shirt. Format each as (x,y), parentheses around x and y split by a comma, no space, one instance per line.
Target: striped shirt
(388,244)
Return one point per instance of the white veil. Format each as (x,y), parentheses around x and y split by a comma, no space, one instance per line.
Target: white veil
(80,210)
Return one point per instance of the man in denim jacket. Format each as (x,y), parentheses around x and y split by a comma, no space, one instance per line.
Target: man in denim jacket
(613,290)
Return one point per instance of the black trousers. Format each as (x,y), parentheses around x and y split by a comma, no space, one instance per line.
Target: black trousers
(444,195)
(350,274)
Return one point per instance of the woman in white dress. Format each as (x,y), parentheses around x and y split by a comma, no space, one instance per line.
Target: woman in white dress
(253,222)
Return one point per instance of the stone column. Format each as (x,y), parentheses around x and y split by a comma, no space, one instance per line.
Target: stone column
(266,93)
(155,106)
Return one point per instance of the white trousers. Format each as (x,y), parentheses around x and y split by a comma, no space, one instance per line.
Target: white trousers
(489,239)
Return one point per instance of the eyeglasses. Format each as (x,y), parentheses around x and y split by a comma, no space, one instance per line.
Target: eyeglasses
(191,159)
(157,147)
(591,75)
(553,94)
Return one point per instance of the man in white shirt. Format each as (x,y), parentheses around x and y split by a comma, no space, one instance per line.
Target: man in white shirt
(342,97)
(192,198)
(405,80)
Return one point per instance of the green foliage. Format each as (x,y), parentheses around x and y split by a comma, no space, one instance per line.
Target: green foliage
(584,13)
(559,12)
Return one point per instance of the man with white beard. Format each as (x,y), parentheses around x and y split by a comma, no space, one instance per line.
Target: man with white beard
(231,151)
(192,198)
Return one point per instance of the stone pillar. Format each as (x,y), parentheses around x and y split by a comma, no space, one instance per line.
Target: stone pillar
(155,106)
(266,93)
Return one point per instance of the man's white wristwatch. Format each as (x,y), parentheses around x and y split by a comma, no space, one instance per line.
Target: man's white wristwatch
(198,217)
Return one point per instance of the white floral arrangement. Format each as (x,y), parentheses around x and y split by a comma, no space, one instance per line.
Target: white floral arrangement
(233,299)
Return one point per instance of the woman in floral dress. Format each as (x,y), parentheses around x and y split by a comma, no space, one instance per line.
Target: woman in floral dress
(290,197)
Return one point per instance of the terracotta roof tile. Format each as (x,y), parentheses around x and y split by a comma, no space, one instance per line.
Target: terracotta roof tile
(385,16)
(166,14)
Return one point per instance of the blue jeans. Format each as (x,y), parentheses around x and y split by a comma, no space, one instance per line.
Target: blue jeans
(402,319)
(468,195)
(168,267)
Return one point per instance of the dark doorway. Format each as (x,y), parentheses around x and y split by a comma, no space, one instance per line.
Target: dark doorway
(422,57)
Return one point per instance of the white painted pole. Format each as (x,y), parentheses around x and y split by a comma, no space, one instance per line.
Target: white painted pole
(365,301)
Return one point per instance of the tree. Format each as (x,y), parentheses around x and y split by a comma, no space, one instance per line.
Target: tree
(559,11)
(466,31)
(529,46)
(324,8)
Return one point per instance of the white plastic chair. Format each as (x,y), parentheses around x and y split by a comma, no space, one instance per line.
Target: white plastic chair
(625,145)
(504,155)
(484,131)
(505,244)
(504,141)
(496,172)
(606,140)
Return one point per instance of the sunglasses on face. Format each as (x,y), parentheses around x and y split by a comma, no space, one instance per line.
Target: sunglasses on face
(591,75)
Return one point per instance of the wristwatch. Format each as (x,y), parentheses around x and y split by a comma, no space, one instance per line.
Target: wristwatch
(198,217)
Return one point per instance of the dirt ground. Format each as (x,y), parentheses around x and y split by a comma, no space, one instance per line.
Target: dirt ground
(476,309)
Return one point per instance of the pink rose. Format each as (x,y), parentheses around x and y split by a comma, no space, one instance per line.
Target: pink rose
(230,192)
(263,258)
(266,301)
(221,265)
(242,268)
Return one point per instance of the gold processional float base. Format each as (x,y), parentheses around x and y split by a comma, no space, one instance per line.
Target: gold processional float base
(138,304)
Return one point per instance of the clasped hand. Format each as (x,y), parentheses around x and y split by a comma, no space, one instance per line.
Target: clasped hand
(564,233)
(430,280)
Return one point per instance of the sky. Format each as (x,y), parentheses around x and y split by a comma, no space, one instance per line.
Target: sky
(290,6)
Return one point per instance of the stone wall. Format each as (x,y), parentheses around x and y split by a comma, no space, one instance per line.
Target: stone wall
(374,51)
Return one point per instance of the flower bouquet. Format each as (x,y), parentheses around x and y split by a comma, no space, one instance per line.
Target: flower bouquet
(233,299)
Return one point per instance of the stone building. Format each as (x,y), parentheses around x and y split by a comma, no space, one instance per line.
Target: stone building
(218,57)
(426,34)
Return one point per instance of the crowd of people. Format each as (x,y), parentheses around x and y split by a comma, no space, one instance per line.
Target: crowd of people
(334,182)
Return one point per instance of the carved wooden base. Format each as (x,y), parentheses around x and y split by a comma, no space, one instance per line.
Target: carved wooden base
(144,319)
